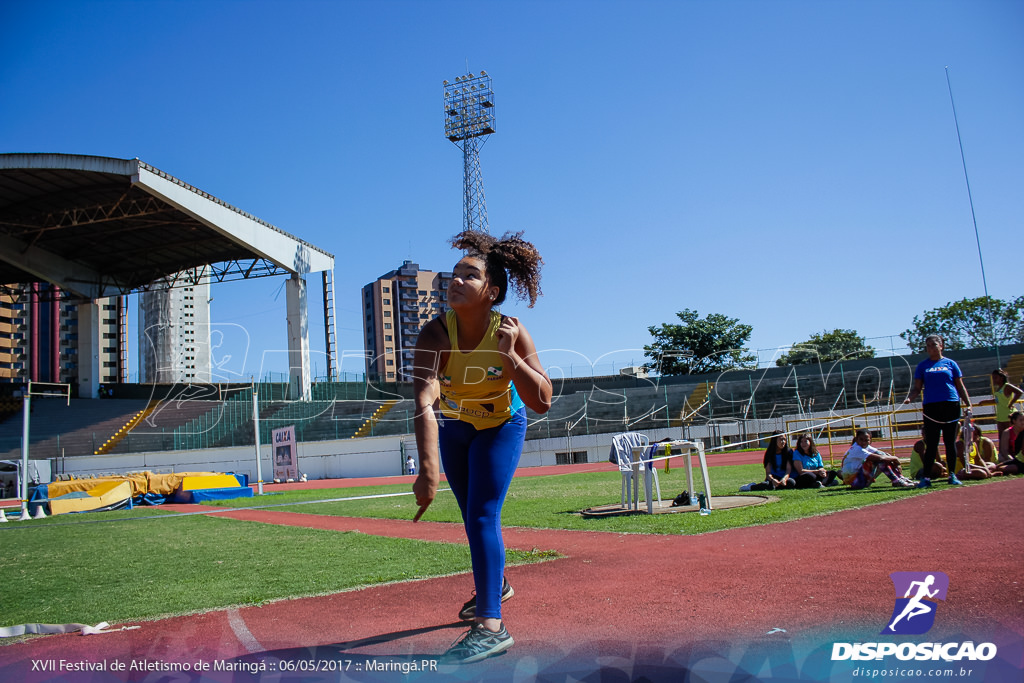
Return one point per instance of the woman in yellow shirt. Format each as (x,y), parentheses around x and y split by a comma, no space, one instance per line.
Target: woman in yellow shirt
(1004,395)
(479,370)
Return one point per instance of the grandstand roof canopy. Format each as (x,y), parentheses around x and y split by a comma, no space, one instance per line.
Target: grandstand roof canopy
(98,226)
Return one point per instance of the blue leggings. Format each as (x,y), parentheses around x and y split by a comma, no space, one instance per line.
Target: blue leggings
(479,465)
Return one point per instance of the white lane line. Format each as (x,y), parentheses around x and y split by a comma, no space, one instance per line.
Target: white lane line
(242,632)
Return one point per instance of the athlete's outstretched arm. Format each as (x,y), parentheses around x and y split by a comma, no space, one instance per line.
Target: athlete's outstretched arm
(426,363)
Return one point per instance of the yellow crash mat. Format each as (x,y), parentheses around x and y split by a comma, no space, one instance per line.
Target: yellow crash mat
(103,494)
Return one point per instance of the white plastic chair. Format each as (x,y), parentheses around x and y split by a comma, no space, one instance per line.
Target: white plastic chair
(623,445)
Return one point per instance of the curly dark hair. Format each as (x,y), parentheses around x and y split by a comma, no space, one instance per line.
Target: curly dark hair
(510,259)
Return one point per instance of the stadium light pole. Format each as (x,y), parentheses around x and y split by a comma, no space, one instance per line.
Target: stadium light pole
(469,119)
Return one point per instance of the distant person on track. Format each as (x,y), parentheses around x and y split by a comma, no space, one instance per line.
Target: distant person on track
(479,369)
(778,465)
(1004,396)
(863,462)
(942,382)
(809,467)
(1011,442)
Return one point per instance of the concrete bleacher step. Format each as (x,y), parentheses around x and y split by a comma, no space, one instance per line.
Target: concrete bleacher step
(155,431)
(371,421)
(1014,369)
(9,407)
(696,401)
(565,410)
(123,431)
(58,427)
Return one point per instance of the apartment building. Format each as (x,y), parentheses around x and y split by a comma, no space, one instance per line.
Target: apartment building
(174,334)
(39,336)
(396,306)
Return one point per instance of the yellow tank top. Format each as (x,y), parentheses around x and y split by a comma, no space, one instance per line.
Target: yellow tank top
(1003,405)
(474,387)
(974,454)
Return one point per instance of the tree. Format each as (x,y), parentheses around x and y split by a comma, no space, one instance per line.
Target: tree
(970,324)
(827,347)
(699,345)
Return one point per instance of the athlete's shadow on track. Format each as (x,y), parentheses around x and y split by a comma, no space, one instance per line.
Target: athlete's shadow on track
(397,635)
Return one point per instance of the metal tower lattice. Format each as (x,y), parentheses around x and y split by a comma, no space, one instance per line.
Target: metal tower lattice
(469,119)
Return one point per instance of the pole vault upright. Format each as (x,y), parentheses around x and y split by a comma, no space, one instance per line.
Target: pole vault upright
(469,119)
(40,389)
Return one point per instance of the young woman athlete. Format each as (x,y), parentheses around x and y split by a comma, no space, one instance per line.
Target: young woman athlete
(1004,395)
(479,369)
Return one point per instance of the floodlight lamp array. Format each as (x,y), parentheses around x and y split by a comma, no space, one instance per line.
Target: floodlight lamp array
(468,107)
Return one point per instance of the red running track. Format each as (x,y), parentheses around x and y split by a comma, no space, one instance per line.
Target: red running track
(760,603)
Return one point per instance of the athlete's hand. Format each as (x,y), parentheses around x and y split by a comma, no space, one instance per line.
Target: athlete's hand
(425,489)
(507,334)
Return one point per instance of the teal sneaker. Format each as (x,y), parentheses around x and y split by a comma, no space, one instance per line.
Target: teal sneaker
(953,481)
(478,644)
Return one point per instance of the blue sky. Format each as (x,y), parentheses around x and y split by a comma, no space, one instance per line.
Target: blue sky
(791,164)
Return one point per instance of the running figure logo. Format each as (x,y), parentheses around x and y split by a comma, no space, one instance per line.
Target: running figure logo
(914,612)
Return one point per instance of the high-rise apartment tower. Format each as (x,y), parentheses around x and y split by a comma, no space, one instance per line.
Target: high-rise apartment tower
(39,336)
(396,306)
(174,334)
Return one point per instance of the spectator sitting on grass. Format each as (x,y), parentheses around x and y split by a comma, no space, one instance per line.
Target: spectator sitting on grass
(1010,443)
(809,468)
(863,462)
(916,468)
(982,454)
(778,465)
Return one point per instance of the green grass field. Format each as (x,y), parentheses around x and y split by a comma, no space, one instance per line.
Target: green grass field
(72,569)
(555,502)
(148,562)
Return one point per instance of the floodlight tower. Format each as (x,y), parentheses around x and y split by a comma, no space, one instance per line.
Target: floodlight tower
(469,119)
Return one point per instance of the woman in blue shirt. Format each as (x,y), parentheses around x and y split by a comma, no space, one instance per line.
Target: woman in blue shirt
(942,383)
(809,468)
(778,465)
